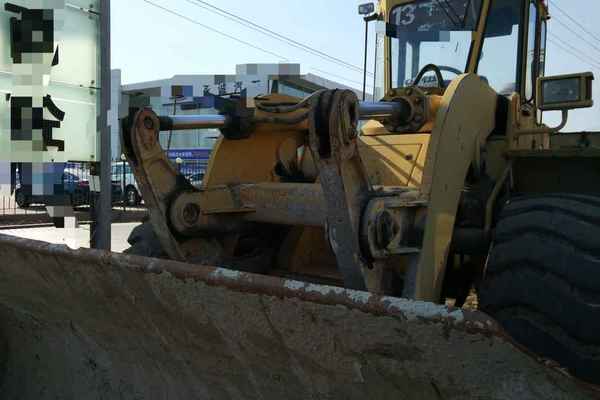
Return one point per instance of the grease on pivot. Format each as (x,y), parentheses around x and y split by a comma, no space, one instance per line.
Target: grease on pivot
(191,212)
(148,123)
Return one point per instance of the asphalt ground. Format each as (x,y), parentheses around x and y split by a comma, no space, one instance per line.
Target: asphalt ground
(75,238)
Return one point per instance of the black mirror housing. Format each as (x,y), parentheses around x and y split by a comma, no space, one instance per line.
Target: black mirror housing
(366,9)
(565,92)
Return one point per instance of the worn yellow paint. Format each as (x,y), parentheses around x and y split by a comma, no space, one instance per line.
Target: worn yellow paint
(522,116)
(253,159)
(394,160)
(247,160)
(466,117)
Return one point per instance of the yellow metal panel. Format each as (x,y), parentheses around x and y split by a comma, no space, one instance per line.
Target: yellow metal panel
(478,37)
(394,160)
(495,156)
(253,159)
(248,160)
(464,121)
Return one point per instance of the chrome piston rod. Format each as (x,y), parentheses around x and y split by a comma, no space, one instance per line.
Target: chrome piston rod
(368,110)
(199,121)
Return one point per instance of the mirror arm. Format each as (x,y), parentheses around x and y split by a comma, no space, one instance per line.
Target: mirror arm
(551,131)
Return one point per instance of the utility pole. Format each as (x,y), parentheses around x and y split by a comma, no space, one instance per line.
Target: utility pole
(366,10)
(100,232)
(375,67)
(366,58)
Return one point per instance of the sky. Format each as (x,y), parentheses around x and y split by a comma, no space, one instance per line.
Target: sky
(149,43)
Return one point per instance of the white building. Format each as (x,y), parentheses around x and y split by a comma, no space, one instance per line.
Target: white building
(186,94)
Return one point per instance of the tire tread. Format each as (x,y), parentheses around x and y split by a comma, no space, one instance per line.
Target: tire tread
(543,278)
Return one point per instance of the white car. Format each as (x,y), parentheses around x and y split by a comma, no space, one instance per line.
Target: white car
(122,173)
(196,179)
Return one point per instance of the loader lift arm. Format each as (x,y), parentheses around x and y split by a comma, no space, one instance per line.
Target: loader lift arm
(327,123)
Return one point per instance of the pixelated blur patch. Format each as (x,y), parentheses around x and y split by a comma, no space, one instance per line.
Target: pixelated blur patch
(5,179)
(32,33)
(49,80)
(49,96)
(182,91)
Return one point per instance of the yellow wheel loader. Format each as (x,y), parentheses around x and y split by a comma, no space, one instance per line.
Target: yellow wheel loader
(310,262)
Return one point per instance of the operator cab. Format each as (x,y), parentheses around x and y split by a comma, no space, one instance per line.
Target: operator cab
(428,43)
(423,45)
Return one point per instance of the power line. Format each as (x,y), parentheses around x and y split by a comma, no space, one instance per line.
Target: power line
(568,50)
(580,36)
(266,31)
(573,51)
(195,22)
(275,35)
(583,28)
(335,76)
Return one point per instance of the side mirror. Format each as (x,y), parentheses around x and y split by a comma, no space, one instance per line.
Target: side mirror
(366,9)
(565,92)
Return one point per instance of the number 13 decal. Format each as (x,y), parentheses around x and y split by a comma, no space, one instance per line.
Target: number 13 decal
(407,14)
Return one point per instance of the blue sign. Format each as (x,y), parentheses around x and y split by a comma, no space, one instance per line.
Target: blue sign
(190,154)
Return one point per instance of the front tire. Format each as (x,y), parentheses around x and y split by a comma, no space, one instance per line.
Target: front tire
(144,242)
(543,279)
(251,254)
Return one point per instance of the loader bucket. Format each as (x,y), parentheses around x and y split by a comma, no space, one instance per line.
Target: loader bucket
(88,324)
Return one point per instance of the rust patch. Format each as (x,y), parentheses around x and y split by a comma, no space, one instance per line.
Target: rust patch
(217,305)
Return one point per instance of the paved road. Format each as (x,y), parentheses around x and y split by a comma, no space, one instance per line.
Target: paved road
(76,238)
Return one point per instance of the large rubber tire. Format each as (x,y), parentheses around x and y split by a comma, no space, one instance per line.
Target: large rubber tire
(144,242)
(256,257)
(542,279)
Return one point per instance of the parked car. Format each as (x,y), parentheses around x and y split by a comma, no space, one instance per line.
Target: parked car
(123,175)
(76,186)
(196,179)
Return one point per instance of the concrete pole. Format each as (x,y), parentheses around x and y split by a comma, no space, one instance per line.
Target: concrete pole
(100,234)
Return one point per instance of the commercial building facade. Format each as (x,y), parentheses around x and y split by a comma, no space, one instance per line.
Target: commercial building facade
(194,94)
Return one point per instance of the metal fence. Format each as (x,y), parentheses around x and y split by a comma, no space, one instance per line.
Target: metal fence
(76,185)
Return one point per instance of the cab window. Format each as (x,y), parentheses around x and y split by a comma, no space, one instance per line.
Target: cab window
(426,32)
(542,59)
(531,59)
(499,58)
